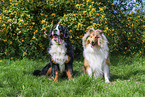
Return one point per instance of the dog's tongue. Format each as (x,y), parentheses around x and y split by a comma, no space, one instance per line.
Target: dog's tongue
(92,46)
(58,40)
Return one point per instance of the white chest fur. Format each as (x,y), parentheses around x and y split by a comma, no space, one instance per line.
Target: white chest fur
(58,54)
(96,59)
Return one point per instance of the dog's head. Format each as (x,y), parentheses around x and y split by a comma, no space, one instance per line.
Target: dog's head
(94,38)
(58,34)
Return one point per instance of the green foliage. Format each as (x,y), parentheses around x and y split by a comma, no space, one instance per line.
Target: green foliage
(127,80)
(25,25)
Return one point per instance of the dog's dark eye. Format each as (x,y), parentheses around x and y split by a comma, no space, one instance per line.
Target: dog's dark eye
(59,27)
(96,37)
(88,41)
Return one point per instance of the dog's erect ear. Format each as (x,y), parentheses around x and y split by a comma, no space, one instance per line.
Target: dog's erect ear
(66,33)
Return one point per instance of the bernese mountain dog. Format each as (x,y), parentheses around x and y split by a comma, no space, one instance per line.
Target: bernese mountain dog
(96,54)
(61,54)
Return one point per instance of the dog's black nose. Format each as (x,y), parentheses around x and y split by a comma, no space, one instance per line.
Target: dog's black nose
(93,43)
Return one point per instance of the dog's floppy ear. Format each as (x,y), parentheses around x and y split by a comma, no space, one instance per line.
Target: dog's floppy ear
(102,41)
(50,33)
(66,32)
(90,30)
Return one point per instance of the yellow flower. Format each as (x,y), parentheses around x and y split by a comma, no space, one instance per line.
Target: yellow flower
(1,61)
(11,58)
(93,9)
(73,19)
(101,9)
(16,3)
(105,31)
(112,29)
(4,11)
(53,14)
(41,14)
(21,20)
(36,31)
(19,31)
(9,20)
(24,53)
(33,37)
(77,5)
(112,4)
(23,87)
(106,28)
(33,23)
(79,24)
(0,17)
(3,25)
(125,48)
(22,40)
(94,24)
(70,30)
(11,42)
(90,6)
(28,16)
(46,15)
(43,21)
(84,12)
(92,2)
(65,15)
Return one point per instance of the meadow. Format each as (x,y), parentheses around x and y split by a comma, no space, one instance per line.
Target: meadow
(127,79)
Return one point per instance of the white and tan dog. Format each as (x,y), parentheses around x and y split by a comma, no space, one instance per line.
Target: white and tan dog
(96,54)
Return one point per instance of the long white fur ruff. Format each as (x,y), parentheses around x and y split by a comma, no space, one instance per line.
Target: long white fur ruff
(58,53)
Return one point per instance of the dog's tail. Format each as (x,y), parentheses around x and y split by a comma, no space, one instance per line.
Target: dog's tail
(44,71)
(36,72)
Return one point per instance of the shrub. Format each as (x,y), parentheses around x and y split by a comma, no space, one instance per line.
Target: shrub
(25,25)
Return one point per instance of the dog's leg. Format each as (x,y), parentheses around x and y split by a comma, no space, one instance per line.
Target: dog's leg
(55,72)
(69,71)
(89,71)
(106,73)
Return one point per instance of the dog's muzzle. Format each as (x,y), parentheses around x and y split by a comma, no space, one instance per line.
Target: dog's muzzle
(57,38)
(92,44)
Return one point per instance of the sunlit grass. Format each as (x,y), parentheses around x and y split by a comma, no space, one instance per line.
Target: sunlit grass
(127,79)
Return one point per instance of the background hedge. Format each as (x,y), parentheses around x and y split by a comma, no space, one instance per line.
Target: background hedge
(25,24)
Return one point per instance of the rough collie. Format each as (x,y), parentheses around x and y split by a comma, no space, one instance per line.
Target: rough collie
(96,54)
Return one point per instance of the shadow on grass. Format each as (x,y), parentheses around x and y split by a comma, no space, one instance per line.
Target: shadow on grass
(127,76)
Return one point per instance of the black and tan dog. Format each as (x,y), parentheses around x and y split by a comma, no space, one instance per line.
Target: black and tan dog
(61,54)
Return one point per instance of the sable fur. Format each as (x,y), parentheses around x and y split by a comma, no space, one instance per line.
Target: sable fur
(96,54)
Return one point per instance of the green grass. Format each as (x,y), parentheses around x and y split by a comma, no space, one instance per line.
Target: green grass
(127,80)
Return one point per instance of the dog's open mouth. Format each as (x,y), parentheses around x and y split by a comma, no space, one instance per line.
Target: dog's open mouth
(92,44)
(57,38)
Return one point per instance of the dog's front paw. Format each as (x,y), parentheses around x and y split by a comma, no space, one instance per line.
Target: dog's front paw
(107,81)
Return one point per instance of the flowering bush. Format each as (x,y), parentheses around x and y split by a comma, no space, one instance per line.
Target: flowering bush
(25,25)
